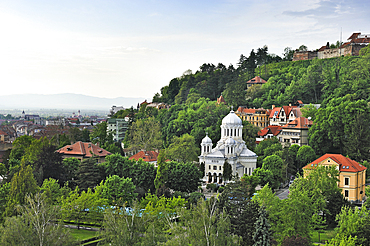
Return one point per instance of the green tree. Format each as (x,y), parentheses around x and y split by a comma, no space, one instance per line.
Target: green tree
(22,184)
(309,111)
(236,200)
(146,134)
(204,224)
(183,149)
(249,134)
(227,171)
(184,177)
(35,226)
(305,155)
(88,174)
(70,166)
(117,190)
(161,177)
(100,135)
(262,236)
(19,146)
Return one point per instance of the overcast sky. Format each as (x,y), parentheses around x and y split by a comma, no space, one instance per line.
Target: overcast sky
(114,48)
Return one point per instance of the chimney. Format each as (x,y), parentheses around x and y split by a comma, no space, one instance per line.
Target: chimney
(273,106)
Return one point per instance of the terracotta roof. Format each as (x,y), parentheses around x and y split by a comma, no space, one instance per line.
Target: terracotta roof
(85,149)
(148,156)
(256,80)
(220,100)
(274,130)
(3,133)
(299,101)
(276,109)
(345,164)
(354,35)
(322,48)
(249,110)
(299,123)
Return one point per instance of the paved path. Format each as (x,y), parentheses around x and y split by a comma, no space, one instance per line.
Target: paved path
(282,193)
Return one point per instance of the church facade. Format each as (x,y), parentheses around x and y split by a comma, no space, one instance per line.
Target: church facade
(230,147)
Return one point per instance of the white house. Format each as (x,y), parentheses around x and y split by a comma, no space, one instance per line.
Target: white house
(230,147)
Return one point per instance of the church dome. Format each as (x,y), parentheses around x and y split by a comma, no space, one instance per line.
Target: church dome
(206,140)
(230,141)
(231,119)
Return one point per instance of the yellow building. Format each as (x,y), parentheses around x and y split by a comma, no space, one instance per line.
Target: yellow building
(352,175)
(258,117)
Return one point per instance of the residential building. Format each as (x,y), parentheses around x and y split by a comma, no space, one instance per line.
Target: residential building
(4,137)
(257,117)
(268,132)
(118,128)
(230,148)
(280,116)
(295,132)
(148,156)
(256,81)
(158,105)
(81,151)
(352,175)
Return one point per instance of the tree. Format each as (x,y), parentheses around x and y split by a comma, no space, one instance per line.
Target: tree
(117,190)
(249,134)
(100,135)
(183,149)
(236,200)
(146,134)
(19,146)
(88,174)
(161,177)
(227,171)
(302,48)
(305,155)
(70,166)
(341,128)
(274,164)
(261,236)
(22,184)
(183,177)
(204,224)
(288,54)
(309,111)
(49,165)
(35,226)
(87,206)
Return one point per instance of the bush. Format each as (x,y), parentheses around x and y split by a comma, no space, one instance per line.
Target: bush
(212,187)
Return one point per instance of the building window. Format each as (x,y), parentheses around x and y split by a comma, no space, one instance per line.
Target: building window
(219,168)
(209,167)
(346,181)
(346,193)
(214,167)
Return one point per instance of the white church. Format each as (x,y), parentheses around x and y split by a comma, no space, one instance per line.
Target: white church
(231,147)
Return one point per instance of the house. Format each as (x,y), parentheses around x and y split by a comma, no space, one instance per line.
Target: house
(280,116)
(257,117)
(81,151)
(268,132)
(4,137)
(256,81)
(295,132)
(148,156)
(352,175)
(230,148)
(158,105)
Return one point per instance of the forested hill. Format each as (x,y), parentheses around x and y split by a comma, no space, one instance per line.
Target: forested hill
(313,81)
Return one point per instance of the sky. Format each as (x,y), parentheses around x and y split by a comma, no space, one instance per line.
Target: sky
(119,48)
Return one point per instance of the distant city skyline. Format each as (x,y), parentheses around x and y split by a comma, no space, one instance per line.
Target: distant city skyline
(133,48)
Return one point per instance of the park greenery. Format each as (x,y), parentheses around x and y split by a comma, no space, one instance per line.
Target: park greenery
(137,203)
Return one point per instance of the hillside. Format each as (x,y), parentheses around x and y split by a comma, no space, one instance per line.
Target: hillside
(312,81)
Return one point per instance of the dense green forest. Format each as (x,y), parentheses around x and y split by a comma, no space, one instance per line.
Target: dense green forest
(312,81)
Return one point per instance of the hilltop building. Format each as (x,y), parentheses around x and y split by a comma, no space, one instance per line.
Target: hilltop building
(256,81)
(352,47)
(118,128)
(258,117)
(81,151)
(230,148)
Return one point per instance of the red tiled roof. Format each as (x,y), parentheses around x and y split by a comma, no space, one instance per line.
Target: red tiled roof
(256,80)
(274,130)
(354,35)
(249,110)
(274,110)
(299,123)
(220,100)
(322,48)
(344,162)
(145,155)
(85,149)
(3,133)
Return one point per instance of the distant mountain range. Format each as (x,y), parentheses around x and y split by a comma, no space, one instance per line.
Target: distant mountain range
(65,101)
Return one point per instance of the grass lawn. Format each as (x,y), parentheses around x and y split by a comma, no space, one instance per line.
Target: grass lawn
(327,235)
(82,234)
